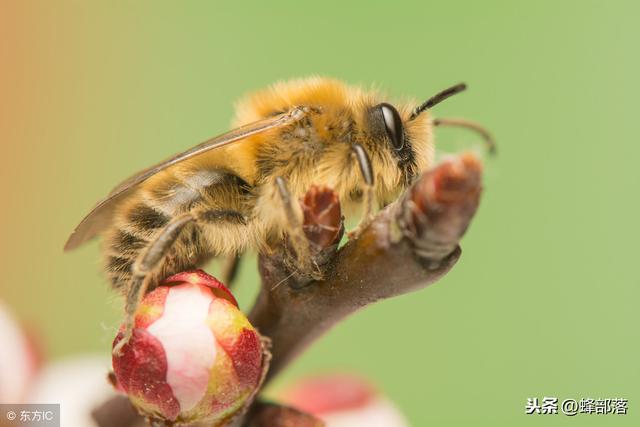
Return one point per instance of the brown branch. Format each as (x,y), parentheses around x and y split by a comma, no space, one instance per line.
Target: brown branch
(117,411)
(409,245)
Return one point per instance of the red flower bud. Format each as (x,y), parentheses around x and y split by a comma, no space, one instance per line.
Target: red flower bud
(343,400)
(193,356)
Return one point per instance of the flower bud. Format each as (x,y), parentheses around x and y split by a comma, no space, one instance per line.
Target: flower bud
(76,383)
(193,356)
(344,401)
(19,360)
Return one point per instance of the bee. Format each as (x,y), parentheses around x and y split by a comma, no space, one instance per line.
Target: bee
(239,191)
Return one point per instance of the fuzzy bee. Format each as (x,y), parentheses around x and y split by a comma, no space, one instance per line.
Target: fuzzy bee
(239,191)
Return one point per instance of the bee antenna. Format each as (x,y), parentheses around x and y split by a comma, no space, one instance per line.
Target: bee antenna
(438,98)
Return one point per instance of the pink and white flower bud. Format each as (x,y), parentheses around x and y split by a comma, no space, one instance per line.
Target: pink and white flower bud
(77,384)
(19,361)
(344,401)
(193,356)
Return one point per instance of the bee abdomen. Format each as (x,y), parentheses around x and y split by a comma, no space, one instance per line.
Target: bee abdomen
(125,242)
(124,249)
(146,219)
(129,239)
(119,270)
(221,201)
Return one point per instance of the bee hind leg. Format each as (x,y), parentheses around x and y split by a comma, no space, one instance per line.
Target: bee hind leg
(143,268)
(152,256)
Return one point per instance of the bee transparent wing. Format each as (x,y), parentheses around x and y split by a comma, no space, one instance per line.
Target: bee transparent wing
(101,215)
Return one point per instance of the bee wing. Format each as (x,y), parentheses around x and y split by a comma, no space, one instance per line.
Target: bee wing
(100,216)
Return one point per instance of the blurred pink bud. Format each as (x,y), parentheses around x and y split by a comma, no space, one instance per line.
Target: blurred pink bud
(344,401)
(77,384)
(193,356)
(18,359)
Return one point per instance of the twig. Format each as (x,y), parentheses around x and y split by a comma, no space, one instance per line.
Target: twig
(409,245)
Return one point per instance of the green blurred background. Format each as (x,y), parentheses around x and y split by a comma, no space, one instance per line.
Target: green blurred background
(542,303)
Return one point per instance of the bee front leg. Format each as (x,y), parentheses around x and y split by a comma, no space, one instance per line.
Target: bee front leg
(366,170)
(297,238)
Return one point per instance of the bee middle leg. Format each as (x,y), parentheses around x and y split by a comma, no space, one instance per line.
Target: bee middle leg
(152,256)
(230,267)
(297,239)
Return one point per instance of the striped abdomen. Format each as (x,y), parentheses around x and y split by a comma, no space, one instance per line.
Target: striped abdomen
(146,213)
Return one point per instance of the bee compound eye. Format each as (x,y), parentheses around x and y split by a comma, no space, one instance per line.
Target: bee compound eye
(393,125)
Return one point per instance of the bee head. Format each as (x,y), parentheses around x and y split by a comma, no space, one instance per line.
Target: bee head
(405,132)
